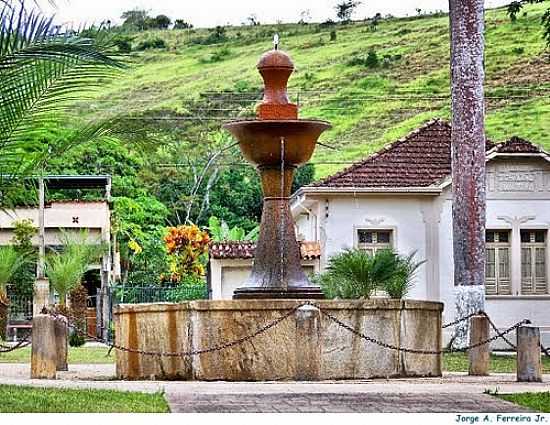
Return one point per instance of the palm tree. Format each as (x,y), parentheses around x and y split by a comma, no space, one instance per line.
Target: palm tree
(65,269)
(43,68)
(356,274)
(10,262)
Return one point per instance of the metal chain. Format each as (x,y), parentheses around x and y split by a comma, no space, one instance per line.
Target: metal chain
(418,351)
(462,319)
(25,342)
(219,347)
(280,319)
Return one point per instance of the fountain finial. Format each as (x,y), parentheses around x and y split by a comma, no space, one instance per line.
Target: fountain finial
(276,41)
(275,68)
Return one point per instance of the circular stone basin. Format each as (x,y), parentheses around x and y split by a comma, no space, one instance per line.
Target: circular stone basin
(260,140)
(317,349)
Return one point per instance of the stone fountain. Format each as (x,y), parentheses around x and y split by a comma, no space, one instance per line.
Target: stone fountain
(277,142)
(304,345)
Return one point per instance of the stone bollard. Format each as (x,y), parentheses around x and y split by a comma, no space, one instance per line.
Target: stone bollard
(44,349)
(41,295)
(61,342)
(529,367)
(308,343)
(479,357)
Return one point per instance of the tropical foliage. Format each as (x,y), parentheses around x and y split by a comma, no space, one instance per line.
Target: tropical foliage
(220,231)
(356,274)
(187,247)
(65,269)
(10,261)
(43,68)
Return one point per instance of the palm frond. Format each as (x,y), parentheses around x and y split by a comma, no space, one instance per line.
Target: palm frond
(43,68)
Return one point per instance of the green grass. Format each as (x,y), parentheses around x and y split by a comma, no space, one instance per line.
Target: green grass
(352,97)
(536,401)
(458,362)
(81,355)
(17,399)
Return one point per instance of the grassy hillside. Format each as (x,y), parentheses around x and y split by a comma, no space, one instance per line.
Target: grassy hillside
(368,105)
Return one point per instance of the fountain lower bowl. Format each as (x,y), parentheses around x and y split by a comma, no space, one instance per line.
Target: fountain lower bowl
(290,350)
(260,140)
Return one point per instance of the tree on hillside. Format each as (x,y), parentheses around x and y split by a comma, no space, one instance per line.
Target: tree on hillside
(181,24)
(160,22)
(42,70)
(346,9)
(516,6)
(136,19)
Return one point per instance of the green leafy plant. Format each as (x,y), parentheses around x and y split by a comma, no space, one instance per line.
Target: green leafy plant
(65,269)
(220,231)
(10,262)
(355,274)
(43,67)
(402,281)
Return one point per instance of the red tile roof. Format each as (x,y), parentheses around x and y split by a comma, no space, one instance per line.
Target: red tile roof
(243,250)
(517,145)
(420,159)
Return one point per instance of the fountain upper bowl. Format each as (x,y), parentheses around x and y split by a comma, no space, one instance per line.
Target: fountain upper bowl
(260,140)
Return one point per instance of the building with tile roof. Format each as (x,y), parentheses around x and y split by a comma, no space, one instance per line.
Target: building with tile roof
(401,198)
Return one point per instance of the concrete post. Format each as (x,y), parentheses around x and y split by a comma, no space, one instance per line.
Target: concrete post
(529,368)
(61,342)
(480,356)
(44,349)
(41,296)
(308,343)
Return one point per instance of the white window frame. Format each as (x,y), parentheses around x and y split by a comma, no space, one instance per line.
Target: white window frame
(391,245)
(537,289)
(500,285)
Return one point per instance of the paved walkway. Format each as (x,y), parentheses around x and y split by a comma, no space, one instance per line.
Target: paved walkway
(452,393)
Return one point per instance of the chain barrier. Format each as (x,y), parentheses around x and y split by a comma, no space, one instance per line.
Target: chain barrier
(25,342)
(418,351)
(219,347)
(502,335)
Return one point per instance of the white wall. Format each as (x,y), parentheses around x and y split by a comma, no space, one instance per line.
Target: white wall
(518,196)
(229,274)
(405,215)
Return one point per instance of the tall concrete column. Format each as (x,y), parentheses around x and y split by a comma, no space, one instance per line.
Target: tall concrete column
(468,159)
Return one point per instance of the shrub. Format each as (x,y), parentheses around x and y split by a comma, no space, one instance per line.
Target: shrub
(76,340)
(518,50)
(187,247)
(155,43)
(333,35)
(371,61)
(356,274)
(400,284)
(218,56)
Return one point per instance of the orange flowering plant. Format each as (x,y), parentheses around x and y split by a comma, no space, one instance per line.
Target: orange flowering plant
(187,247)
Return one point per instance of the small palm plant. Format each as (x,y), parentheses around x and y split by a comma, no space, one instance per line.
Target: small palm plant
(66,269)
(10,262)
(356,274)
(402,281)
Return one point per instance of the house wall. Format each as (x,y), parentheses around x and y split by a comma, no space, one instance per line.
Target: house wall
(70,216)
(409,217)
(229,274)
(518,197)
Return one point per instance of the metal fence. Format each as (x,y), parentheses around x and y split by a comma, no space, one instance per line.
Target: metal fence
(156,294)
(20,308)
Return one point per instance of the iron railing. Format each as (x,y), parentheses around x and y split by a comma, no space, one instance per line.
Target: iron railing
(20,308)
(156,294)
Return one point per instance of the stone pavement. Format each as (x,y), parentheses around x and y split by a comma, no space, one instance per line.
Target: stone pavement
(357,402)
(454,392)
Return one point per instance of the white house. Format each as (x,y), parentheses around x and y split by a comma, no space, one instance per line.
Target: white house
(401,197)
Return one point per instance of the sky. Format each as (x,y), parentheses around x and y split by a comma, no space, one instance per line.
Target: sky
(209,13)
